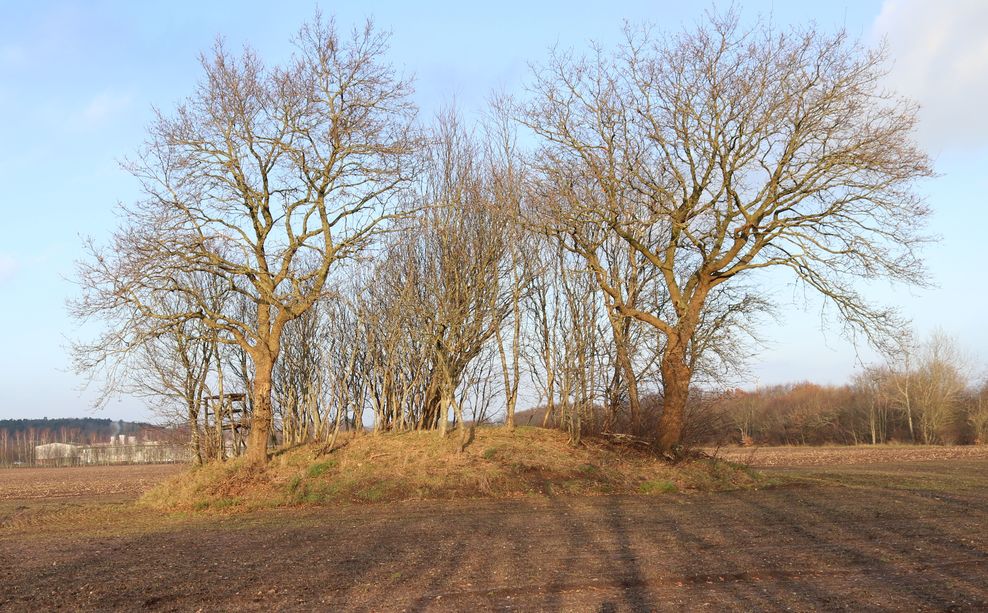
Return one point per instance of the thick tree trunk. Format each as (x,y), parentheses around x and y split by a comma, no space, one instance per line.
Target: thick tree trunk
(445,400)
(260,422)
(676,377)
(613,400)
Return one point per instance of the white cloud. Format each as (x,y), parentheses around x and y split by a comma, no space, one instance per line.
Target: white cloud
(8,266)
(940,55)
(104,106)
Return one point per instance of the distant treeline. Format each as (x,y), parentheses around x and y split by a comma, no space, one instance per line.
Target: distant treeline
(18,437)
(929,404)
(83,426)
(877,408)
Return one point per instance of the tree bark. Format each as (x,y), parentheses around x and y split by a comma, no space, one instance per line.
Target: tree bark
(193,421)
(676,375)
(510,385)
(260,422)
(631,379)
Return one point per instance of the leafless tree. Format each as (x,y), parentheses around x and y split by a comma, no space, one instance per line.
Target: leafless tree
(543,303)
(267,178)
(718,153)
(170,365)
(457,261)
(347,367)
(506,173)
(940,382)
(300,386)
(977,414)
(871,385)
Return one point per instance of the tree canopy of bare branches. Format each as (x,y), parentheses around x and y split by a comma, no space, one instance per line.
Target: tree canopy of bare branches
(266,178)
(717,153)
(604,236)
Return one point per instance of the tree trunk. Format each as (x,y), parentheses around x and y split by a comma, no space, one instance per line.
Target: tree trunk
(461,426)
(220,406)
(445,400)
(550,395)
(676,377)
(193,421)
(510,392)
(358,418)
(620,331)
(631,380)
(260,423)
(873,422)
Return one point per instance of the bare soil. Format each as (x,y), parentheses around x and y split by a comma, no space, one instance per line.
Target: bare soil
(766,457)
(881,536)
(86,482)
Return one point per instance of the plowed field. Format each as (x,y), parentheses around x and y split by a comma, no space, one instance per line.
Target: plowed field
(892,535)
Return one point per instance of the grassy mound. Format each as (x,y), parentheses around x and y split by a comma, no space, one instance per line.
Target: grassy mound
(422,465)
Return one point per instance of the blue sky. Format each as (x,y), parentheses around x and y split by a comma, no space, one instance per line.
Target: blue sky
(78,80)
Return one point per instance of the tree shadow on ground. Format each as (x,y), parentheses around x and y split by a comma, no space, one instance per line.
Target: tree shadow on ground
(816,548)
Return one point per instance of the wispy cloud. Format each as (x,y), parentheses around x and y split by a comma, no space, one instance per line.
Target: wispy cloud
(104,106)
(940,50)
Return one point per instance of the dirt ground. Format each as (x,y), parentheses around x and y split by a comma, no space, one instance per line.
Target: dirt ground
(882,536)
(85,482)
(765,457)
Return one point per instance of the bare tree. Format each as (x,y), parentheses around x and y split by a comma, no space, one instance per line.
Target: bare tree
(977,414)
(267,178)
(173,370)
(721,152)
(940,382)
(347,367)
(300,385)
(457,260)
(543,303)
(870,385)
(506,174)
(168,364)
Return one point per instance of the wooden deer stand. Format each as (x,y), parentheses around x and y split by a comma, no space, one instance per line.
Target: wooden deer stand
(233,418)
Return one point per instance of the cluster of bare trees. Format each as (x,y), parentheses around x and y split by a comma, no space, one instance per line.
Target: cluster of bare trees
(926,396)
(18,438)
(306,240)
(17,446)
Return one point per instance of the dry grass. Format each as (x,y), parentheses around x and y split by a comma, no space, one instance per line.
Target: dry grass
(422,465)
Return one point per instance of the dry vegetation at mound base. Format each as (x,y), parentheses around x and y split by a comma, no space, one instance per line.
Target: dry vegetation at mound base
(422,465)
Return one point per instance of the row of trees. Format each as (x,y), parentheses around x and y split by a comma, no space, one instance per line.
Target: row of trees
(306,239)
(19,437)
(926,397)
(17,446)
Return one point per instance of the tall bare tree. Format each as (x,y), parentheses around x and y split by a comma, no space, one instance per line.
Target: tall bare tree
(721,152)
(506,173)
(940,380)
(267,178)
(459,264)
(300,378)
